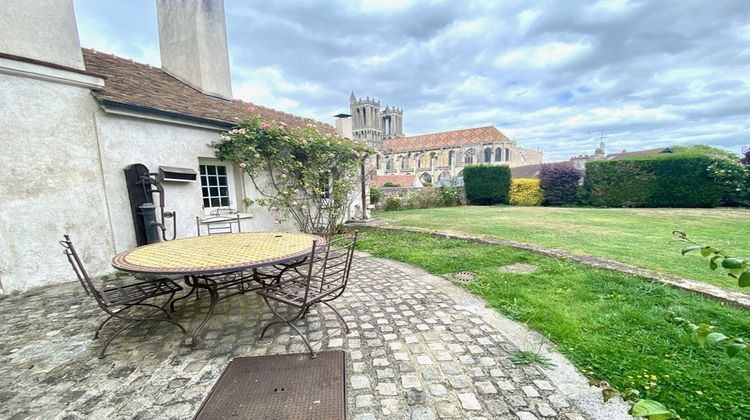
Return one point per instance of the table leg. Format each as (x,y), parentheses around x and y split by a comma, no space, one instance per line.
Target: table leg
(210,287)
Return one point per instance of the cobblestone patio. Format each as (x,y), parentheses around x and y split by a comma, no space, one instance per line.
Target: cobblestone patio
(415,352)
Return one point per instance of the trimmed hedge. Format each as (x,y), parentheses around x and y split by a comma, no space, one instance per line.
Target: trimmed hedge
(559,184)
(485,184)
(661,181)
(525,192)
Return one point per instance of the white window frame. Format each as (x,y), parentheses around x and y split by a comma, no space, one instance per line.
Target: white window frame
(231,186)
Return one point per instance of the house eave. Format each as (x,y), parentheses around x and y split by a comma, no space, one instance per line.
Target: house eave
(155,114)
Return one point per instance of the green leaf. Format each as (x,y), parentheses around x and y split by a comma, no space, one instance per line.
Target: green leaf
(654,410)
(690,248)
(702,332)
(706,251)
(732,263)
(744,280)
(713,263)
(715,337)
(735,349)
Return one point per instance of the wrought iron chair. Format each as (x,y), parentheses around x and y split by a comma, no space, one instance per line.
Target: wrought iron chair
(115,301)
(321,280)
(217,227)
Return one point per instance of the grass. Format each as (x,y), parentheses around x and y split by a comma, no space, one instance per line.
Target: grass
(611,326)
(640,237)
(526,357)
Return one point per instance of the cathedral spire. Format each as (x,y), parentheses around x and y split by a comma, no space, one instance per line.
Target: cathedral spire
(352,98)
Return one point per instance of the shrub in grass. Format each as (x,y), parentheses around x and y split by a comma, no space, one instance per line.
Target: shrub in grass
(525,192)
(375,194)
(559,184)
(392,203)
(486,185)
(654,181)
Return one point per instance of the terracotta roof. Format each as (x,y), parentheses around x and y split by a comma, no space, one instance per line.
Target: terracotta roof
(453,138)
(402,180)
(151,89)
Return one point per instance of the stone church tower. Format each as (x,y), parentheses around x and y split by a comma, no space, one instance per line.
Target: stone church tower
(372,126)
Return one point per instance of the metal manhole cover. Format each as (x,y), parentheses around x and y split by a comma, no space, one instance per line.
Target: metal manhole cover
(463,276)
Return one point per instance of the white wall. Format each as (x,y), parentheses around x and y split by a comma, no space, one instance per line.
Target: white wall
(51,182)
(127,140)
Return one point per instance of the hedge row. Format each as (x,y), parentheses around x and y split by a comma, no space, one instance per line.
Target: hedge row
(486,185)
(662,181)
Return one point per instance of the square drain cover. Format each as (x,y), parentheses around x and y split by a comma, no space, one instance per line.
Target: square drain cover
(284,386)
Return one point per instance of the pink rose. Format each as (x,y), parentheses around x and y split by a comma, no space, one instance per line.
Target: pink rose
(303,207)
(243,165)
(250,108)
(265,126)
(242,131)
(274,209)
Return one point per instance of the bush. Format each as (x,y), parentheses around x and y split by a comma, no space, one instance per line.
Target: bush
(667,180)
(525,192)
(391,184)
(449,196)
(486,184)
(559,184)
(392,203)
(375,194)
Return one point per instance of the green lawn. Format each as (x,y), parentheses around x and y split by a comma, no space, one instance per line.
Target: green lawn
(636,236)
(611,326)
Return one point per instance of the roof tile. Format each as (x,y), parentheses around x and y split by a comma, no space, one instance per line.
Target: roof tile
(453,138)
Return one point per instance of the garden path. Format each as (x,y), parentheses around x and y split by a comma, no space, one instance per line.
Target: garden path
(420,348)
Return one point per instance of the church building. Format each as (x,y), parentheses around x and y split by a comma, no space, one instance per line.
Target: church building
(426,159)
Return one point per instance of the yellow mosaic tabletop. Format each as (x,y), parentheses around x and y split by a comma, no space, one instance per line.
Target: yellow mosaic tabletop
(216,253)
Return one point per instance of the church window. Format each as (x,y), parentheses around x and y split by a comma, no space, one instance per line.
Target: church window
(498,154)
(403,163)
(507,155)
(469,156)
(488,155)
(388,165)
(451,158)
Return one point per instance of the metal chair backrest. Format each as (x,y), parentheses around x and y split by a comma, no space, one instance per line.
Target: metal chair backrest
(330,265)
(80,270)
(216,228)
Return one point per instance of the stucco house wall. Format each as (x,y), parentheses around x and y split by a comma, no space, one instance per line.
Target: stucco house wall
(51,182)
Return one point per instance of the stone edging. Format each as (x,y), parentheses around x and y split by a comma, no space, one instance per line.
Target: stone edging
(739,299)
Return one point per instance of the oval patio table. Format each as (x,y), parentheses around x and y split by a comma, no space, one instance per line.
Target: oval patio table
(196,257)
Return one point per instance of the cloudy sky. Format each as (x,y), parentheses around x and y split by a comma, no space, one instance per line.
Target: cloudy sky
(552,75)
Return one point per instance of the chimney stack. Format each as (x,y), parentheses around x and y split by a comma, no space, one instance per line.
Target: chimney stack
(193,44)
(41,29)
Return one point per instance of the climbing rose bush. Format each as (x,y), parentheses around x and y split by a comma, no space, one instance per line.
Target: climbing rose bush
(303,174)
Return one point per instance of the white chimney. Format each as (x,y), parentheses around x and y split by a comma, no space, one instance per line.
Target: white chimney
(41,29)
(193,44)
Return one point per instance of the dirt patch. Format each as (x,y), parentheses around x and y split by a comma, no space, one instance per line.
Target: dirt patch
(462,276)
(518,268)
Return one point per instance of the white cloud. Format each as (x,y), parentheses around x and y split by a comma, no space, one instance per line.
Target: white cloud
(549,55)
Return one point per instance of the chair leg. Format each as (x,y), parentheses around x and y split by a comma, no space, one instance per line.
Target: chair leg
(192,289)
(96,334)
(346,326)
(290,323)
(109,340)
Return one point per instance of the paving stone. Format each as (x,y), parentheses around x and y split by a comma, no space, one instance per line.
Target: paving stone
(414,397)
(449,410)
(363,400)
(360,381)
(469,401)
(423,413)
(386,388)
(485,387)
(543,385)
(545,410)
(410,381)
(530,391)
(424,360)
(525,415)
(437,390)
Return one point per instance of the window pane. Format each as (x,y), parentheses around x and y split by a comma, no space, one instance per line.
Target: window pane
(206,202)
(223,191)
(215,202)
(225,202)
(222,170)
(203,169)
(213,181)
(222,180)
(211,169)
(204,192)
(214,191)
